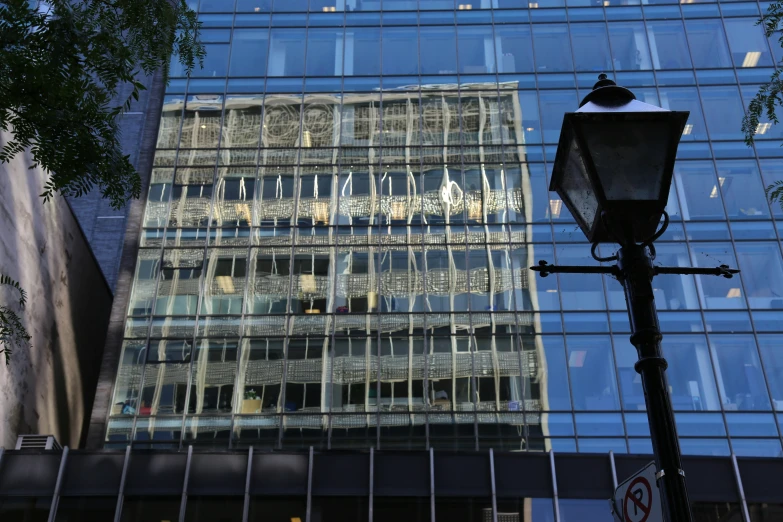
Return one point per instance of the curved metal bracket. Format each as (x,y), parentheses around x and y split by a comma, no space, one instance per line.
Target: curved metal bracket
(601,259)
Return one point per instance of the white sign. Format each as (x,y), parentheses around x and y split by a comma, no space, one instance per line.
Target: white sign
(638,499)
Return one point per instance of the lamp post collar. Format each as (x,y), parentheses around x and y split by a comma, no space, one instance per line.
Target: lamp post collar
(607,93)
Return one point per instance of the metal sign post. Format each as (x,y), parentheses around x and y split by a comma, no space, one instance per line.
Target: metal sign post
(638,498)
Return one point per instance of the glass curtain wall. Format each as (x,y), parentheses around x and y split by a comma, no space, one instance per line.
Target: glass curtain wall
(346,198)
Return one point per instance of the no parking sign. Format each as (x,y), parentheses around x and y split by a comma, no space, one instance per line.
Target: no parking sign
(638,499)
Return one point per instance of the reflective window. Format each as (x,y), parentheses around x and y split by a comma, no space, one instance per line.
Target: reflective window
(668,45)
(686,99)
(552,47)
(591,47)
(771,348)
(401,50)
(24,509)
(514,48)
(539,509)
(362,51)
(476,50)
(698,187)
(438,50)
(743,192)
(592,370)
(286,52)
(708,44)
(554,104)
(248,52)
(324,52)
(717,292)
(747,43)
(722,109)
(762,273)
(740,379)
(629,46)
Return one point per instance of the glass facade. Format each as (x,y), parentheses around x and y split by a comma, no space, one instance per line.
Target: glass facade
(345,201)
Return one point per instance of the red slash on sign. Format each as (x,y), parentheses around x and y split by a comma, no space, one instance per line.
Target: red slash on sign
(637,503)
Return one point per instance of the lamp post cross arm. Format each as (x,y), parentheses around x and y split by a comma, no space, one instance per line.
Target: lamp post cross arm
(545,269)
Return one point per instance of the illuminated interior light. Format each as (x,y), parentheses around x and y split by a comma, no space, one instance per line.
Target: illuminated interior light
(733,293)
(763,128)
(687,130)
(533,5)
(751,59)
(555,206)
(226,284)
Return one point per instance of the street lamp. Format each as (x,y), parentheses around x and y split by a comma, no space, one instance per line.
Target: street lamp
(613,170)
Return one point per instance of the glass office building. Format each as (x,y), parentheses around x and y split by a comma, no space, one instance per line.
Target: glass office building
(346,198)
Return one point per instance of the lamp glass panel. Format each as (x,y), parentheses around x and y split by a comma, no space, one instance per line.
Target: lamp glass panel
(575,186)
(629,156)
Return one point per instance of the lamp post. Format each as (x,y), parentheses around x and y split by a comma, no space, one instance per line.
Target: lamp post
(613,170)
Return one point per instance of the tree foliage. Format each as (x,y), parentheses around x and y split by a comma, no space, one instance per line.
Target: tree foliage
(62,64)
(770,95)
(12,331)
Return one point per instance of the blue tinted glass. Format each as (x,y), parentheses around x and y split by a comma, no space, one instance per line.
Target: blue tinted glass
(476,50)
(216,6)
(400,5)
(555,386)
(700,425)
(728,322)
(324,52)
(723,109)
(668,45)
(636,424)
(762,273)
(290,5)
(436,4)
(248,52)
(717,231)
(697,186)
(253,6)
(326,6)
(743,192)
(554,104)
(215,63)
(630,381)
(771,348)
(717,292)
(708,43)
(438,50)
(686,99)
(565,445)
(400,50)
(286,52)
(580,291)
(714,447)
(592,370)
(586,323)
(362,51)
(747,43)
(751,425)
(640,446)
(756,447)
(591,47)
(599,424)
(557,424)
(552,48)
(740,379)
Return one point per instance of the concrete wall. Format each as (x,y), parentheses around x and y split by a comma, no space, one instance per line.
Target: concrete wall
(50,387)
